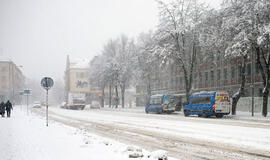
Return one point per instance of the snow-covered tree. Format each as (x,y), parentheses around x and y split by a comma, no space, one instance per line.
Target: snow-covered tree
(98,74)
(145,60)
(177,35)
(125,61)
(110,51)
(235,29)
(247,22)
(116,67)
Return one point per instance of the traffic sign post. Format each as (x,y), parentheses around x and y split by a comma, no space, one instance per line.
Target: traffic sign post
(47,83)
(27,92)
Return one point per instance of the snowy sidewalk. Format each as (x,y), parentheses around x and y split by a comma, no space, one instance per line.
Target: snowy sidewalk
(25,137)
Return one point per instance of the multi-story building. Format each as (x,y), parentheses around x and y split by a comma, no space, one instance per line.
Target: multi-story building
(77,77)
(221,74)
(11,81)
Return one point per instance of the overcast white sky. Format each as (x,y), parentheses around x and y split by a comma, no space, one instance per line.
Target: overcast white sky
(38,34)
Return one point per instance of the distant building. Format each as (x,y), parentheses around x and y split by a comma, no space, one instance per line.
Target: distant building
(11,81)
(77,77)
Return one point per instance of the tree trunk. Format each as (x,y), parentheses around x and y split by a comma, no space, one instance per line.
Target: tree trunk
(235,99)
(240,92)
(123,89)
(187,88)
(266,89)
(110,96)
(116,97)
(265,73)
(102,97)
(265,100)
(148,89)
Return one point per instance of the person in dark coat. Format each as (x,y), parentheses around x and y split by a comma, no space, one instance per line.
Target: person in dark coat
(2,109)
(8,108)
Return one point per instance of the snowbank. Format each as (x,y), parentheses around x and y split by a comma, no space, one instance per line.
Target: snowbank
(27,138)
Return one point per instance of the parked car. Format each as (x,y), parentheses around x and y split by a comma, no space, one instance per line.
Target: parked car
(36,104)
(63,105)
(95,105)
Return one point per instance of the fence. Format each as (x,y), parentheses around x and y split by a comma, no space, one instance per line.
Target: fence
(245,104)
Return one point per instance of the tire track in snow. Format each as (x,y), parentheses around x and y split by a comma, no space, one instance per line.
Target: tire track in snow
(179,147)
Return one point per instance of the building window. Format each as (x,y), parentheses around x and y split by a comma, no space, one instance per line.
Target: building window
(200,76)
(218,74)
(173,69)
(172,83)
(176,82)
(218,57)
(195,76)
(3,79)
(77,75)
(233,72)
(249,69)
(260,92)
(4,87)
(225,73)
(80,75)
(212,76)
(206,76)
(3,69)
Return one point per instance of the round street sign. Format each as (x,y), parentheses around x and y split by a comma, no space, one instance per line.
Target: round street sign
(47,83)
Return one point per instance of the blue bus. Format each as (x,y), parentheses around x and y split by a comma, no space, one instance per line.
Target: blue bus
(161,104)
(208,103)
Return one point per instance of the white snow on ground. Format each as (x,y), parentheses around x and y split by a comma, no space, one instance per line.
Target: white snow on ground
(25,137)
(248,116)
(246,137)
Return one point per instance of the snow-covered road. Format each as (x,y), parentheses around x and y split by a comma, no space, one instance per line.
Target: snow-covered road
(25,137)
(182,137)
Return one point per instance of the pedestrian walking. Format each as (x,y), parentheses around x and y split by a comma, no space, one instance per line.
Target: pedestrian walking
(8,108)
(2,109)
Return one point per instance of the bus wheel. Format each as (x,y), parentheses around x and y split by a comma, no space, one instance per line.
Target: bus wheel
(186,114)
(204,115)
(219,115)
(168,112)
(146,111)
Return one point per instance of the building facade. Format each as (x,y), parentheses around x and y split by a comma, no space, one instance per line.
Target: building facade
(77,77)
(11,81)
(221,74)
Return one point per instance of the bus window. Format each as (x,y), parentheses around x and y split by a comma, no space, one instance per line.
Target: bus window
(201,100)
(156,100)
